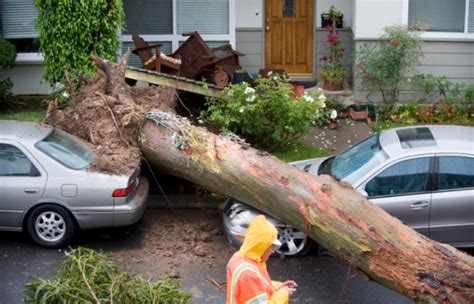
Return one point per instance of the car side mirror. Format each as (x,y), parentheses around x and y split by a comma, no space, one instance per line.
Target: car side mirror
(363,193)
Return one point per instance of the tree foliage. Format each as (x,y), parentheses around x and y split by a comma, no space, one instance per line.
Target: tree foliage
(383,67)
(71,31)
(7,60)
(86,276)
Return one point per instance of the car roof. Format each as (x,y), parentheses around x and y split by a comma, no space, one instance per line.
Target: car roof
(27,132)
(399,142)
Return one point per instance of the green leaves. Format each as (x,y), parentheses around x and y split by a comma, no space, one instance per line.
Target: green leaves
(86,276)
(382,67)
(71,31)
(267,116)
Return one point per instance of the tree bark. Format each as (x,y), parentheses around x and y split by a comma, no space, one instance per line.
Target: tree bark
(330,212)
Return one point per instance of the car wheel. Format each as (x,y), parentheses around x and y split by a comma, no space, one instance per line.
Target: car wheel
(293,241)
(50,226)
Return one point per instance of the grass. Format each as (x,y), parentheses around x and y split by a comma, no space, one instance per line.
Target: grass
(299,152)
(34,116)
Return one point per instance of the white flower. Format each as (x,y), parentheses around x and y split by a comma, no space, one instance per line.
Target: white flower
(409,79)
(241,109)
(200,121)
(322,98)
(269,73)
(230,93)
(275,78)
(250,98)
(333,114)
(308,98)
(249,90)
(319,91)
(65,94)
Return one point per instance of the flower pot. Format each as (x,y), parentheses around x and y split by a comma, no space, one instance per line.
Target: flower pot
(358,115)
(326,21)
(298,90)
(332,86)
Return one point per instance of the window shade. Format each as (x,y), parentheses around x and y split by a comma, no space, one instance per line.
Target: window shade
(438,15)
(205,16)
(148,17)
(18,19)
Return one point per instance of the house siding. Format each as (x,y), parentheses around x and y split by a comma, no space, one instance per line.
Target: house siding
(453,59)
(250,42)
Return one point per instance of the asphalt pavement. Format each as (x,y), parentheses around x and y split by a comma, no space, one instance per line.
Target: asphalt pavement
(320,278)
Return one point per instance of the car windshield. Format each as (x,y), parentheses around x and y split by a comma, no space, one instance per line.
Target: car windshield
(66,150)
(361,158)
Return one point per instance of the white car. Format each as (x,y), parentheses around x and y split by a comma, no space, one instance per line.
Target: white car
(423,175)
(47,189)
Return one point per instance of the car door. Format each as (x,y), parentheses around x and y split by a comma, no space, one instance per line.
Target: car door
(22,182)
(452,206)
(403,190)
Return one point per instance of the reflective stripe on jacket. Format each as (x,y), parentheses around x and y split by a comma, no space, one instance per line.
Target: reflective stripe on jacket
(248,282)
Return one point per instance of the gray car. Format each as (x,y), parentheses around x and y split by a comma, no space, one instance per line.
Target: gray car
(423,175)
(46,189)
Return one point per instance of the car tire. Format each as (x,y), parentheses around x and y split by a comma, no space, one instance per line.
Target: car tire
(50,226)
(301,243)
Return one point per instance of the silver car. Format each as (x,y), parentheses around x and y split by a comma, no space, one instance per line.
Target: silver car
(46,189)
(423,175)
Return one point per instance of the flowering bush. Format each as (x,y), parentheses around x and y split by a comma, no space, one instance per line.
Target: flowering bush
(267,115)
(333,70)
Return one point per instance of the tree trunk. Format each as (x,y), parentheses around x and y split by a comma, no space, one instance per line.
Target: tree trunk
(330,212)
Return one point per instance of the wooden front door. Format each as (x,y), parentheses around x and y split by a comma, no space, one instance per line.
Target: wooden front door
(289,36)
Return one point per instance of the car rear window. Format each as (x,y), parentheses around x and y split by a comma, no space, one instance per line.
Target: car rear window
(66,150)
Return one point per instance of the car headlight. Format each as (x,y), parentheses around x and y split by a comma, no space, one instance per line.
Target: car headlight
(240,219)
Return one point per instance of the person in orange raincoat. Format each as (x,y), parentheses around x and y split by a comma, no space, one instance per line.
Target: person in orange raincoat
(247,276)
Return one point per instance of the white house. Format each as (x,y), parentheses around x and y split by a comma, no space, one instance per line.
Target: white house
(283,34)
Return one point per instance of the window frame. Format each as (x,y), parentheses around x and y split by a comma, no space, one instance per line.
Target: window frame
(441,35)
(176,38)
(31,159)
(436,173)
(429,184)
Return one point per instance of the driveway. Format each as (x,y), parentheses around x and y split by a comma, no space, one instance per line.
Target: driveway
(189,244)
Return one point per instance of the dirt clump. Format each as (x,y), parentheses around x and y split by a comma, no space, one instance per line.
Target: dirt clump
(107,114)
(173,243)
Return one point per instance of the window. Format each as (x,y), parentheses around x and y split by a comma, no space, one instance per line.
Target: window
(204,16)
(405,177)
(442,15)
(455,172)
(19,24)
(66,150)
(165,21)
(13,162)
(147,17)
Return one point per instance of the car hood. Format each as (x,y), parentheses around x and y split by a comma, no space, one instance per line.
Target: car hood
(310,165)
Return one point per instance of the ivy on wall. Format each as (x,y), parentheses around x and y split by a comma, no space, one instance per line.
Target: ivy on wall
(71,31)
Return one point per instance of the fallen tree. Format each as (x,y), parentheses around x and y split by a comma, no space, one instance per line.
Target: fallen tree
(332,213)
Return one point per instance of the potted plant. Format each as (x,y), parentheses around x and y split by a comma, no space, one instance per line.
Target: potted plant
(332,72)
(333,17)
(333,76)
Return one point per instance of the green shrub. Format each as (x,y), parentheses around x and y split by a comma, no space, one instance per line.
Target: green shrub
(440,85)
(71,31)
(267,116)
(7,54)
(86,276)
(382,67)
(7,60)
(470,94)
